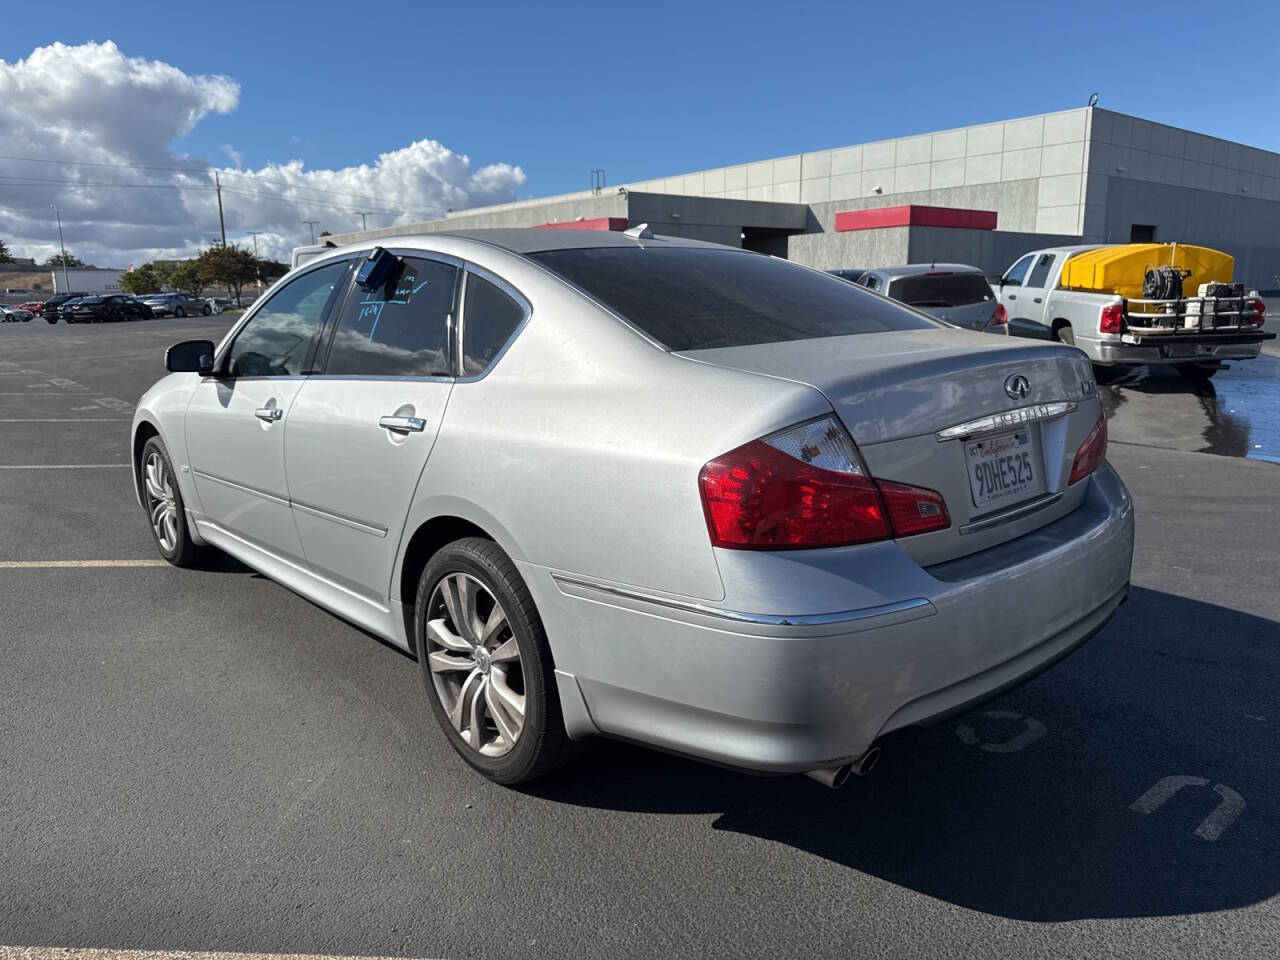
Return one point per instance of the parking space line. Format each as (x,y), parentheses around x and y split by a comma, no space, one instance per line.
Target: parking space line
(65,420)
(77,564)
(61,466)
(101,953)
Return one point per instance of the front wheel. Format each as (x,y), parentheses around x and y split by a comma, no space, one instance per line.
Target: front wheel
(163,500)
(207,310)
(486,664)
(179,312)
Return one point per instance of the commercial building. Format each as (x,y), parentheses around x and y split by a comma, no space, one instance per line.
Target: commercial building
(981,195)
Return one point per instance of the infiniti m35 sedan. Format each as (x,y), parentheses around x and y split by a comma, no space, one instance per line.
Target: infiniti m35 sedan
(650,488)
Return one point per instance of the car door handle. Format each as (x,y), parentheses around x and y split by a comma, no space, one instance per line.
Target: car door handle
(1013,296)
(1037,299)
(269,414)
(403,424)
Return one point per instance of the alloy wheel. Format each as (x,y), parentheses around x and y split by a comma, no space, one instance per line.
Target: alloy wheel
(161,505)
(475,666)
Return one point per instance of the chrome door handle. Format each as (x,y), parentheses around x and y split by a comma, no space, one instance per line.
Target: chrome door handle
(403,424)
(269,414)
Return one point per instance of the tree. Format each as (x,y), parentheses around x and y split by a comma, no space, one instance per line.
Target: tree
(325,233)
(140,280)
(188,277)
(64,260)
(269,270)
(4,253)
(230,266)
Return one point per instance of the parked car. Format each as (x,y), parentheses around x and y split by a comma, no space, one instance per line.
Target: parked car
(66,312)
(177,305)
(35,306)
(651,488)
(109,308)
(14,314)
(53,306)
(853,276)
(1192,334)
(953,292)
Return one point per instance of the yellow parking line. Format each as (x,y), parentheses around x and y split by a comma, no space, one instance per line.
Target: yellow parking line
(76,565)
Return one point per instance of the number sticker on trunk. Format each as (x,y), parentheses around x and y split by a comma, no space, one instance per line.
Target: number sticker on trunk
(1004,470)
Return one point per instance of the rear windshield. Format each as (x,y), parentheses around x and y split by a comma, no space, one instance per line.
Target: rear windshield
(941,290)
(690,298)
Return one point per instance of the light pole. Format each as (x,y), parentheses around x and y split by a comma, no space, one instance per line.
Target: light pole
(66,282)
(257,267)
(364,224)
(312,225)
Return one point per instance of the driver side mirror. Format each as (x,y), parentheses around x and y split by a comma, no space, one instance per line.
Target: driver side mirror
(996,281)
(190,356)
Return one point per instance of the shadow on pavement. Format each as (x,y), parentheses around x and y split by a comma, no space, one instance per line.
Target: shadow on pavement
(1172,687)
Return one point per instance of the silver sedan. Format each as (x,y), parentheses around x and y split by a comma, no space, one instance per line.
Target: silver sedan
(649,488)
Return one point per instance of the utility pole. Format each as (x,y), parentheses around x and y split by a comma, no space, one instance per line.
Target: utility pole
(364,224)
(257,266)
(66,282)
(254,234)
(222,223)
(312,224)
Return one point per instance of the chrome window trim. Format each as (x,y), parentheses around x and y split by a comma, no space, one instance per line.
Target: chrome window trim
(1006,420)
(1012,514)
(758,619)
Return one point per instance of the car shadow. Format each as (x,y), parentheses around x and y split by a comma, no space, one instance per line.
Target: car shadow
(1155,406)
(1037,826)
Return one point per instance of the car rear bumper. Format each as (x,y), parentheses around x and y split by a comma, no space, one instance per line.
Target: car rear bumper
(784,692)
(1175,348)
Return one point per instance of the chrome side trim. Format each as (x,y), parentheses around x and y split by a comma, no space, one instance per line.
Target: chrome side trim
(1012,514)
(370,528)
(1009,418)
(761,619)
(283,501)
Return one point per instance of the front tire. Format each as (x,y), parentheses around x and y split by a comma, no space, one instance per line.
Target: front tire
(207,310)
(486,664)
(162,499)
(179,312)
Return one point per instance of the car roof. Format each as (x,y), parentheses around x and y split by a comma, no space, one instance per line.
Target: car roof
(527,240)
(920,269)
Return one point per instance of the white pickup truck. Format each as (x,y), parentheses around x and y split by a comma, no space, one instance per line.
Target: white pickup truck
(1193,334)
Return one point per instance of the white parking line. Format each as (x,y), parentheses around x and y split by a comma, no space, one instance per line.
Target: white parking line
(66,420)
(77,564)
(89,953)
(61,466)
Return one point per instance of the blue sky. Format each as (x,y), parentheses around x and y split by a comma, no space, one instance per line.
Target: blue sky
(647,89)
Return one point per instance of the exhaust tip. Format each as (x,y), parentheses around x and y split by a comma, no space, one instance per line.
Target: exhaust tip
(834,777)
(866,763)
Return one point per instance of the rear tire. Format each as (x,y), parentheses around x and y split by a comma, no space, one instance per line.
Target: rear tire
(207,310)
(486,664)
(162,499)
(179,312)
(1064,334)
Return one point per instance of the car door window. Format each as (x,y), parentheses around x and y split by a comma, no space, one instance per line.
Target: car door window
(1040,272)
(489,317)
(401,329)
(278,338)
(1018,271)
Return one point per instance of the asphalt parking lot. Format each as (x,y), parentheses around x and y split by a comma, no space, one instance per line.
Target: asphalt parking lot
(201,760)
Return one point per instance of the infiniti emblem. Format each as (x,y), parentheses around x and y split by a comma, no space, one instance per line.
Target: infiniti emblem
(1017,386)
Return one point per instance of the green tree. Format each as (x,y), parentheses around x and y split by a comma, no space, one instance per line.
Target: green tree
(270,270)
(140,280)
(5,257)
(189,277)
(230,266)
(164,273)
(64,260)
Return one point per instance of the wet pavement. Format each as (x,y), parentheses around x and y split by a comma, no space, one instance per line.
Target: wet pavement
(1236,414)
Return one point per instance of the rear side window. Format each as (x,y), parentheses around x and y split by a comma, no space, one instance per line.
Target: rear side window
(401,329)
(939,290)
(489,317)
(1040,272)
(690,298)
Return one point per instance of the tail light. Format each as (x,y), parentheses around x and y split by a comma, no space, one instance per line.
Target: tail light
(999,316)
(1112,318)
(1259,312)
(806,487)
(1091,453)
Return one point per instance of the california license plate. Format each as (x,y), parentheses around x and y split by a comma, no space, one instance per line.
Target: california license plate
(1004,470)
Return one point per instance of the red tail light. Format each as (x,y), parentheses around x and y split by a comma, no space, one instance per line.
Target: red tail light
(806,487)
(1112,318)
(1259,312)
(1091,453)
(999,316)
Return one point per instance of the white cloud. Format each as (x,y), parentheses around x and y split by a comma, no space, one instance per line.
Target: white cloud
(93,104)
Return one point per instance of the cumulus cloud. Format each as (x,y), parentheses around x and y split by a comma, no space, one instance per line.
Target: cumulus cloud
(116,114)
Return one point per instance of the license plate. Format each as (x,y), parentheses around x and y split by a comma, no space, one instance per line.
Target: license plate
(1004,470)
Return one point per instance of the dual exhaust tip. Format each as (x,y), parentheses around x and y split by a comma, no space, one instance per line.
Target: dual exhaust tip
(835,777)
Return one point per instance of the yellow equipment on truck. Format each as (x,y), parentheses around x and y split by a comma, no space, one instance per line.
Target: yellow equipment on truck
(1123,269)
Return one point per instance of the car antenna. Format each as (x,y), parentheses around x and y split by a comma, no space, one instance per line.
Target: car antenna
(639,232)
